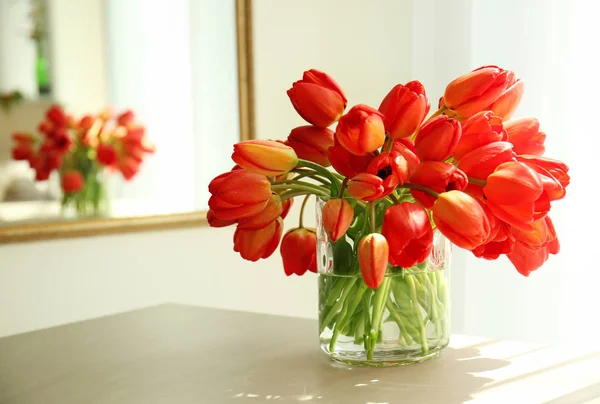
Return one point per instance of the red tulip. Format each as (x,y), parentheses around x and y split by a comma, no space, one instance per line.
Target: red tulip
(298,251)
(509,100)
(404,108)
(264,157)
(72,181)
(558,169)
(408,231)
(438,176)
(373,252)
(337,218)
(525,135)
(407,149)
(317,98)
(392,168)
(238,194)
(107,155)
(365,186)
(437,138)
(57,116)
(286,205)
(542,234)
(254,244)
(515,194)
(347,163)
(477,90)
(482,161)
(479,130)
(527,260)
(501,243)
(462,219)
(269,214)
(311,143)
(23,148)
(361,130)
(125,118)
(213,221)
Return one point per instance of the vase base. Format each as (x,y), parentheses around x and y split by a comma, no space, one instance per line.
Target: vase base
(383,358)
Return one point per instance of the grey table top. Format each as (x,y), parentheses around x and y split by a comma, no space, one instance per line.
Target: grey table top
(181,354)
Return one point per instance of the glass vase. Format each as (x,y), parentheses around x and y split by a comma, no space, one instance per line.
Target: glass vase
(405,320)
(91,201)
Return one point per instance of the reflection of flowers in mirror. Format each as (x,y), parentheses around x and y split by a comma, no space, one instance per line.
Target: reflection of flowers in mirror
(9,99)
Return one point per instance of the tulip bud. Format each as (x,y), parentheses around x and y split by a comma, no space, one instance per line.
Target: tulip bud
(461,219)
(311,143)
(270,213)
(437,139)
(408,231)
(361,130)
(317,98)
(72,181)
(337,218)
(509,100)
(439,177)
(254,244)
(286,205)
(482,161)
(238,194)
(476,90)
(365,186)
(264,157)
(214,221)
(479,130)
(525,135)
(404,108)
(298,251)
(347,163)
(373,252)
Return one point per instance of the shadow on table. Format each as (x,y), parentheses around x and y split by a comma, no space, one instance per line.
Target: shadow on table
(312,377)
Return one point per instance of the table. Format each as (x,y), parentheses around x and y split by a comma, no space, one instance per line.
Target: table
(179,354)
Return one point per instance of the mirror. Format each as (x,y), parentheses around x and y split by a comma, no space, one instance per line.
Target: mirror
(115,115)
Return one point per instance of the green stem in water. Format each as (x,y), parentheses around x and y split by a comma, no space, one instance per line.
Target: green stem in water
(340,323)
(338,305)
(381,296)
(301,224)
(417,314)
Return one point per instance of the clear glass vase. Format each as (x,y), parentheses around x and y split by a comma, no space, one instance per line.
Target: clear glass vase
(405,320)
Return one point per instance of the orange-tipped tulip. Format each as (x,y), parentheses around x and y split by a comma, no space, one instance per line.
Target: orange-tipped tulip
(407,150)
(298,251)
(404,108)
(438,138)
(254,244)
(214,221)
(509,100)
(347,163)
(311,143)
(265,157)
(373,252)
(479,130)
(557,168)
(263,218)
(238,194)
(361,130)
(438,176)
(462,219)
(475,91)
(408,231)
(525,135)
(337,218)
(482,161)
(318,98)
(286,205)
(365,186)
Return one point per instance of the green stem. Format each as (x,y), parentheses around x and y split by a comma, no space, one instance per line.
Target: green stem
(477,181)
(378,307)
(417,314)
(420,188)
(310,174)
(404,335)
(319,168)
(340,322)
(301,224)
(293,194)
(372,216)
(300,186)
(338,305)
(343,187)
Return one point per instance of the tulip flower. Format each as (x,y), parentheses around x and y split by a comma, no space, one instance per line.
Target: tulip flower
(23,148)
(214,221)
(408,231)
(541,234)
(461,219)
(525,135)
(337,218)
(317,98)
(556,168)
(311,143)
(515,194)
(482,161)
(72,181)
(238,194)
(475,91)
(392,168)
(501,243)
(254,244)
(286,205)
(347,163)
(437,138)
(407,149)
(56,115)
(404,108)
(270,213)
(509,100)
(107,155)
(526,260)
(361,130)
(373,252)
(298,251)
(439,177)
(264,157)
(479,130)
(365,186)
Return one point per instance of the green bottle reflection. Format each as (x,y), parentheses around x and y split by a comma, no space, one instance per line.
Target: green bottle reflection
(42,69)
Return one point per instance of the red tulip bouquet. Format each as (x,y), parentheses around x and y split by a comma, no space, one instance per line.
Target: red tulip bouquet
(81,150)
(402,184)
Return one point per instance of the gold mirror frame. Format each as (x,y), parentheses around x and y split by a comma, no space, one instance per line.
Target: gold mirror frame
(95,227)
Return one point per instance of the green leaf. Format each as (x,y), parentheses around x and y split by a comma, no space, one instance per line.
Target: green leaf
(343,257)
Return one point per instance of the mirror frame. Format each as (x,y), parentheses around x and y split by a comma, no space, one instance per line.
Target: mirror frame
(96,227)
